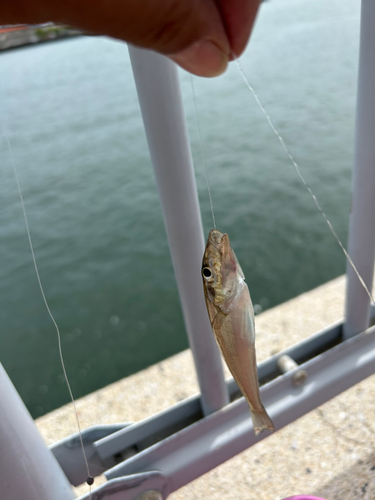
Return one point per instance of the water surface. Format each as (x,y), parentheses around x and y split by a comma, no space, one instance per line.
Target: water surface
(78,142)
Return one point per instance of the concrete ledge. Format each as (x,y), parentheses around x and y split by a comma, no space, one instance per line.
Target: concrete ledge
(19,36)
(330,452)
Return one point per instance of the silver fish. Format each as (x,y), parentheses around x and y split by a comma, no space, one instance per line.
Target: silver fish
(232,319)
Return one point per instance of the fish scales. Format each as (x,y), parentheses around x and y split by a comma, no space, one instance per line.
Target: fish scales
(231,315)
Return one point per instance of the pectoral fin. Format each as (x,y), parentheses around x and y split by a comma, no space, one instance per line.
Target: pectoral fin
(212,310)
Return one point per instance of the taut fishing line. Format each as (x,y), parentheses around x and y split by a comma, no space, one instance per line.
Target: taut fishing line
(202,151)
(90,479)
(304,182)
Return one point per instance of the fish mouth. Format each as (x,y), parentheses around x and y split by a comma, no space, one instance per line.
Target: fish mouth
(215,237)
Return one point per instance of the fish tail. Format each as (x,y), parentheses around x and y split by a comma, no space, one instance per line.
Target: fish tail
(261,421)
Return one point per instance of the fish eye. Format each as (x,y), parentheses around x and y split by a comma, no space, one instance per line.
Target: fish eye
(206,271)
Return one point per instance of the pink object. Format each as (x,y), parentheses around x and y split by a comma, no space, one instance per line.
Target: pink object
(304,497)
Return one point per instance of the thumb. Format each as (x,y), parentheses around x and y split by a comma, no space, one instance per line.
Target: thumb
(191,32)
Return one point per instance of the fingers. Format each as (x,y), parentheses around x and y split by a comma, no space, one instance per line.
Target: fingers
(190,31)
(203,58)
(238,18)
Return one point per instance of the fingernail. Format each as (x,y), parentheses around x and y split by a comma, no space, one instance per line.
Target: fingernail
(203,58)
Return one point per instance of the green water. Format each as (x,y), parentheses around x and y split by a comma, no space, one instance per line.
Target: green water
(78,142)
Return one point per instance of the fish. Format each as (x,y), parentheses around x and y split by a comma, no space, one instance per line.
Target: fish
(231,315)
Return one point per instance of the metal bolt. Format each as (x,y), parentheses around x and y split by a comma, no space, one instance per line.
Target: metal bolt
(287,364)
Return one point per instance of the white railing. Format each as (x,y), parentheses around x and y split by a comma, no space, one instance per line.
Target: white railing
(361,245)
(159,95)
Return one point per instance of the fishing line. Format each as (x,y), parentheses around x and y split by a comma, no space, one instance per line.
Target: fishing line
(90,479)
(202,151)
(305,183)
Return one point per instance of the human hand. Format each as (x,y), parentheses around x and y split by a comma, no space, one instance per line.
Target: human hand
(199,35)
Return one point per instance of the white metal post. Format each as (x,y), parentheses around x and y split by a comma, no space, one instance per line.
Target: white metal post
(361,244)
(28,469)
(160,99)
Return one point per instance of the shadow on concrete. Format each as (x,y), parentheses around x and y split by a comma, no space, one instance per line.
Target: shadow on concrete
(356,482)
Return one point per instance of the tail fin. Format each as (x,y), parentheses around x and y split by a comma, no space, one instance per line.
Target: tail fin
(261,421)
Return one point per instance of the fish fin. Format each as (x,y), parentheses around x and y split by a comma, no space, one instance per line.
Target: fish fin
(261,421)
(212,310)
